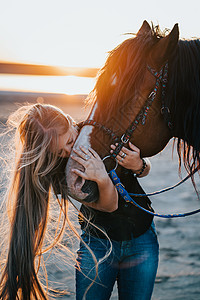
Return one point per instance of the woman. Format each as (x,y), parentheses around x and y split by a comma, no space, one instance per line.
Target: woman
(130,235)
(43,140)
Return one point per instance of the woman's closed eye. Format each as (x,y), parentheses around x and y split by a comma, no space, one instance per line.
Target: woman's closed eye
(60,152)
(70,142)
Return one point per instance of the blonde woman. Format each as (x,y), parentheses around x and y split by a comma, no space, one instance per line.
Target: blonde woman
(43,141)
(44,137)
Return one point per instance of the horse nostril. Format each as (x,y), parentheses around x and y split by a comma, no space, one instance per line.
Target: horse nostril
(79,182)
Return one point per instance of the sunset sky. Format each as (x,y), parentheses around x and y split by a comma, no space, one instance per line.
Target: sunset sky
(79,33)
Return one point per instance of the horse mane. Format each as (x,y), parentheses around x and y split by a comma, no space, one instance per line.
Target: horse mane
(183,98)
(123,72)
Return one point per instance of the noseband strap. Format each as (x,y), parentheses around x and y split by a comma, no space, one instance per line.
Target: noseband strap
(107,130)
(161,79)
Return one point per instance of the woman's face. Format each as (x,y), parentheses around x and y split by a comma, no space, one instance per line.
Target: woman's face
(66,141)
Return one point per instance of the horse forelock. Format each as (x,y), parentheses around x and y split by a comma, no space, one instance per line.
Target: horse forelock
(183,96)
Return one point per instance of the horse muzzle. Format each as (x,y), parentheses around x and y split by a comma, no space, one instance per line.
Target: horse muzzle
(79,188)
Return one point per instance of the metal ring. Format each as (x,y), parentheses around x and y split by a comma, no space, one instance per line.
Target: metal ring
(109,156)
(123,155)
(87,157)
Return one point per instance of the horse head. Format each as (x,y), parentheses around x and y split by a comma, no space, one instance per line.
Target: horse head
(122,88)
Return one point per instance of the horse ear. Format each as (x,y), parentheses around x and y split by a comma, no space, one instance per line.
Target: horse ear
(162,51)
(144,29)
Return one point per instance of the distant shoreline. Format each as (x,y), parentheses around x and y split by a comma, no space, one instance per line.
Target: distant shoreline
(44,70)
(70,104)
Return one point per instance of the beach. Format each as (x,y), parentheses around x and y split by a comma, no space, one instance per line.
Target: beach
(178,276)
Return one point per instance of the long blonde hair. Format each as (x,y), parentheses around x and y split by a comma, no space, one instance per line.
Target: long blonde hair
(37,170)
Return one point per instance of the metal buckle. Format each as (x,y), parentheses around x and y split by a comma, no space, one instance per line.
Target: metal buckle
(162,110)
(152,94)
(124,139)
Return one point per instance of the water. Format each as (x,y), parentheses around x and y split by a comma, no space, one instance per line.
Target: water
(179,268)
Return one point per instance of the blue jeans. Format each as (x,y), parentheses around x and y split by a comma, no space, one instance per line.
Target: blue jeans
(133,264)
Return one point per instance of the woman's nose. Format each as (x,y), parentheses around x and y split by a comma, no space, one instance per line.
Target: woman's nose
(75,132)
(75,135)
(72,144)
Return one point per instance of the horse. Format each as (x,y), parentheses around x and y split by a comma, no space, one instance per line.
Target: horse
(150,83)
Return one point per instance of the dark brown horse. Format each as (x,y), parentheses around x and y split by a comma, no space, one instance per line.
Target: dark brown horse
(122,88)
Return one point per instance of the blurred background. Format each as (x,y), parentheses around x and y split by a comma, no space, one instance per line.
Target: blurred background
(50,51)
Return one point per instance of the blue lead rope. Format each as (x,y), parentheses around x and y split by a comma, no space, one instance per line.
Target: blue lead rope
(128,198)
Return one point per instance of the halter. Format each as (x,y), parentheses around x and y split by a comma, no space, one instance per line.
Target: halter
(161,79)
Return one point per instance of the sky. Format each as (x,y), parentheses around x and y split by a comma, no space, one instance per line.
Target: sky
(79,33)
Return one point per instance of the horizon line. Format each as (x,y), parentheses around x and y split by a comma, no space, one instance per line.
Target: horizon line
(46,70)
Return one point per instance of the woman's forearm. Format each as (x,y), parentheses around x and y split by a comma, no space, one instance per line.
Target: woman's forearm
(146,170)
(108,196)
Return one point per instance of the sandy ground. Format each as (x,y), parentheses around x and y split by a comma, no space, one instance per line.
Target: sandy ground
(178,275)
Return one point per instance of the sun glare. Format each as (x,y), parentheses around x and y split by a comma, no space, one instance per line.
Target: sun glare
(70,85)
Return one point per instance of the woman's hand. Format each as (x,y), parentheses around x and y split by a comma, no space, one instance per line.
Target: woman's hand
(96,171)
(93,165)
(130,159)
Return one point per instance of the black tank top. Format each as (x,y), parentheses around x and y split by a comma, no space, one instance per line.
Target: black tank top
(126,221)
